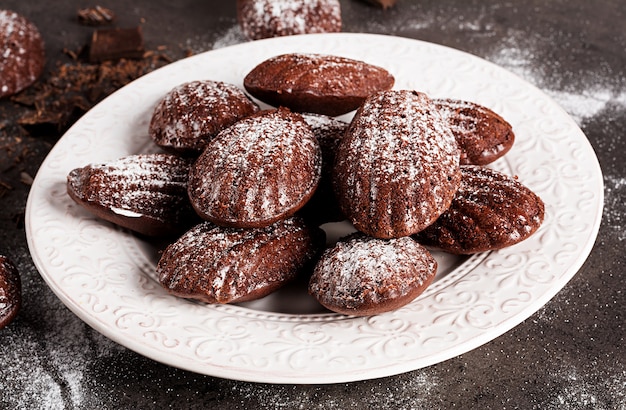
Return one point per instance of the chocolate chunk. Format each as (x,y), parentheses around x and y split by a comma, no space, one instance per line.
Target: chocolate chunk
(113,44)
(72,89)
(385,4)
(10,291)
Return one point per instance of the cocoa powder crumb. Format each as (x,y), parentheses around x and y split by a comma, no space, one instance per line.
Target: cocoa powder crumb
(5,187)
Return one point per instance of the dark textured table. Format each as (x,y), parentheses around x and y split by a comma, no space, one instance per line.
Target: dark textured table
(569,355)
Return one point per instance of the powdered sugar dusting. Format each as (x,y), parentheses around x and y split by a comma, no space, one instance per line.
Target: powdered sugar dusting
(579,391)
(398,143)
(136,185)
(615,198)
(265,18)
(220,265)
(21,52)
(230,37)
(50,363)
(257,170)
(192,113)
(588,96)
(224,280)
(8,22)
(361,270)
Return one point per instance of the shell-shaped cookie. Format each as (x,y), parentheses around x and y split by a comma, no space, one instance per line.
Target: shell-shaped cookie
(146,193)
(274,18)
(22,53)
(397,167)
(482,135)
(362,275)
(316,83)
(193,113)
(222,265)
(262,169)
(491,210)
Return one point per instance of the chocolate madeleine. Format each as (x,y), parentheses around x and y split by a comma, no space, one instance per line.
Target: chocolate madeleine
(491,210)
(316,83)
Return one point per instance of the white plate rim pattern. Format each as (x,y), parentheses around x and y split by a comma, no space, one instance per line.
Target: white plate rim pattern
(87,265)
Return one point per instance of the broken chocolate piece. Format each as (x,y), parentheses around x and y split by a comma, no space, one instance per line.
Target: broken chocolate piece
(385,4)
(117,43)
(73,89)
(96,16)
(55,116)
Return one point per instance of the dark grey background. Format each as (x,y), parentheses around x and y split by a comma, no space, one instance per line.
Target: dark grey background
(569,355)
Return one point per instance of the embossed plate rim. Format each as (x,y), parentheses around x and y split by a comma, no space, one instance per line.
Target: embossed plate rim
(81,260)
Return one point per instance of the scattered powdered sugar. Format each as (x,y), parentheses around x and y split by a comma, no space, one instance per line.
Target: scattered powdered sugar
(47,368)
(415,390)
(614,200)
(584,104)
(591,94)
(230,37)
(523,52)
(579,391)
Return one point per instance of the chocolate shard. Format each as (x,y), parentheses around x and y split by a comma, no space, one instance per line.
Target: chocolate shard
(95,16)
(117,43)
(385,4)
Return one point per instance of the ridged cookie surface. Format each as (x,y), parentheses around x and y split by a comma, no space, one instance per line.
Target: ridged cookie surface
(146,193)
(397,167)
(262,169)
(482,135)
(193,113)
(316,83)
(362,275)
(275,18)
(223,265)
(491,210)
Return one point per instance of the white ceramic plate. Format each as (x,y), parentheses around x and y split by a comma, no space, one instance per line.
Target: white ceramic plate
(105,275)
